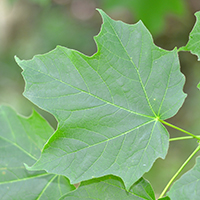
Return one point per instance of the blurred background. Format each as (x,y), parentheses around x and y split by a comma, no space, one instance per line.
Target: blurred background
(29,27)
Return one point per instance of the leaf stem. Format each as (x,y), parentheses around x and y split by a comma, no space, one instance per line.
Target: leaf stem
(179,171)
(184,48)
(180,129)
(182,138)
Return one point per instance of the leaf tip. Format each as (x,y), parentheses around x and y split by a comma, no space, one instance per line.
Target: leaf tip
(32,168)
(99,10)
(127,186)
(198,86)
(16,59)
(197,14)
(27,167)
(102,13)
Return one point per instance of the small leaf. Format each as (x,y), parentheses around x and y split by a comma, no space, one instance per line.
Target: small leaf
(21,140)
(108,106)
(187,187)
(193,44)
(111,188)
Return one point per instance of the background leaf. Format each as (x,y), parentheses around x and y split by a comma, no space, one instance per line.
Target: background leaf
(193,44)
(198,85)
(111,188)
(40,2)
(152,12)
(21,140)
(107,105)
(164,198)
(187,187)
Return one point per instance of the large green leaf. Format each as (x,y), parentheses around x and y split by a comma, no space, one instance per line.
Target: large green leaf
(152,12)
(21,140)
(111,188)
(187,187)
(193,44)
(108,106)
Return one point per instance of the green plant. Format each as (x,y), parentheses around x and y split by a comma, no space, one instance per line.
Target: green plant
(110,109)
(152,12)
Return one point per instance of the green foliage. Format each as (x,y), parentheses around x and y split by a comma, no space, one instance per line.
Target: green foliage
(164,198)
(111,188)
(110,109)
(187,187)
(198,85)
(21,141)
(151,12)
(40,2)
(193,44)
(107,105)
